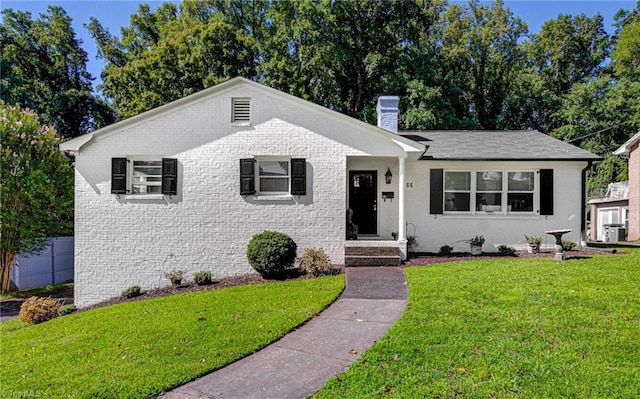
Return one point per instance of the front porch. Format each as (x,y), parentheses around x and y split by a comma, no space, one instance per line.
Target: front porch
(373,253)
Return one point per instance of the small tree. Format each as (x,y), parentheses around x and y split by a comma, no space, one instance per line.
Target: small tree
(36,188)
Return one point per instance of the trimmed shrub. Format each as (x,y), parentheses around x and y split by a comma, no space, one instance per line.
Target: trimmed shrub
(569,245)
(67,309)
(315,262)
(202,278)
(445,250)
(175,277)
(505,250)
(271,252)
(37,310)
(132,292)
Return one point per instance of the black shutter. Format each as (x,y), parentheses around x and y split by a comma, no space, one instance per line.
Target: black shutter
(546,191)
(247,177)
(298,176)
(118,175)
(169,176)
(436,195)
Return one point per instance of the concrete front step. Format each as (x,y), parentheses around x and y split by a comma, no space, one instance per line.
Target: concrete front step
(370,251)
(371,254)
(372,261)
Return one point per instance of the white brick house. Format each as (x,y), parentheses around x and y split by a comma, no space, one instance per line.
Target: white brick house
(186,185)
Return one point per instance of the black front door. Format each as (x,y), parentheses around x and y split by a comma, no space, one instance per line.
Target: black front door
(363,189)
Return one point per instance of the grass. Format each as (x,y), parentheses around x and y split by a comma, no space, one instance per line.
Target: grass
(509,328)
(138,349)
(32,291)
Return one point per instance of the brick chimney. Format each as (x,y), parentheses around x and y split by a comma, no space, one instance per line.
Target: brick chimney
(388,113)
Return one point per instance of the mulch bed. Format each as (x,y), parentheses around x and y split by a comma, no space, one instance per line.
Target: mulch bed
(255,278)
(428,259)
(252,278)
(65,294)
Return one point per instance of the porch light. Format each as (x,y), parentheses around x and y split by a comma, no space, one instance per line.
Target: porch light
(388,176)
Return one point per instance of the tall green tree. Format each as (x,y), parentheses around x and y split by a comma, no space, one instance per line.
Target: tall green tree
(364,45)
(601,112)
(175,51)
(290,59)
(44,68)
(480,49)
(343,54)
(627,50)
(568,50)
(36,188)
(595,116)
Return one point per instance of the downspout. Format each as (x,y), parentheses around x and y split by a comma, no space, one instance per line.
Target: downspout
(583,212)
(402,225)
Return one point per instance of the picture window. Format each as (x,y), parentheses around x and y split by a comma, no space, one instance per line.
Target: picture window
(489,192)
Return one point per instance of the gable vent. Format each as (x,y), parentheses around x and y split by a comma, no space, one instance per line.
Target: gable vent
(240,110)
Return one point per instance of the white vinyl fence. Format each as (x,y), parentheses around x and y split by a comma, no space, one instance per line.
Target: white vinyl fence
(51,266)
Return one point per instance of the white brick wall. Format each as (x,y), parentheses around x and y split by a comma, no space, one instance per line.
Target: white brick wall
(122,242)
(434,231)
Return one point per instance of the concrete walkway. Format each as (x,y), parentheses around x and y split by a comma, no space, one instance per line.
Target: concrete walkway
(301,362)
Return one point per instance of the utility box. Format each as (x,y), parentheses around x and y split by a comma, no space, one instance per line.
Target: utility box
(620,234)
(615,233)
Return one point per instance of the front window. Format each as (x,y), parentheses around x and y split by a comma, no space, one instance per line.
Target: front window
(457,191)
(273,176)
(521,191)
(147,177)
(489,192)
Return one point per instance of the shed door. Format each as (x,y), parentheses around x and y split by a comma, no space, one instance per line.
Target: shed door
(363,193)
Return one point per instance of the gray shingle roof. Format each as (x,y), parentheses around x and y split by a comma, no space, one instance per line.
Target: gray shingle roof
(496,145)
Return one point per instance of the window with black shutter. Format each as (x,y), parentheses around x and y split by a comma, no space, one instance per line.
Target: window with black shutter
(436,192)
(546,191)
(490,192)
(247,176)
(143,175)
(273,177)
(118,175)
(298,176)
(169,176)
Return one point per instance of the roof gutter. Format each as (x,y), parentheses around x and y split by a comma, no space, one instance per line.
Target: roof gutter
(74,145)
(427,158)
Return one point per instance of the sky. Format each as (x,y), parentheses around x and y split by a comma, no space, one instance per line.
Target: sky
(114,14)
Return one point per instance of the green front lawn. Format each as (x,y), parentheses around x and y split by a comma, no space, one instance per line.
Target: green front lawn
(509,328)
(138,349)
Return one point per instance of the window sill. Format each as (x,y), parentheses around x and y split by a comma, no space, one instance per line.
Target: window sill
(144,197)
(491,215)
(240,124)
(283,197)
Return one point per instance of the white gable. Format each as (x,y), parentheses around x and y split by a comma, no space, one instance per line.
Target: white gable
(214,106)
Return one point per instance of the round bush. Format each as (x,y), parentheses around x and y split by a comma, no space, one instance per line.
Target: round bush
(37,310)
(271,252)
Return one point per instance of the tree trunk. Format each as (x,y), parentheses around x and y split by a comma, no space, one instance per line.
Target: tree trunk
(7,259)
